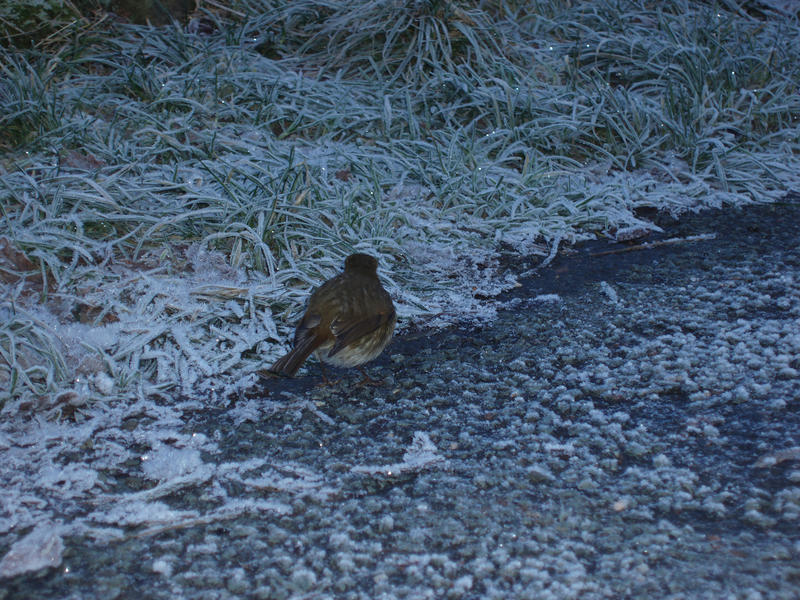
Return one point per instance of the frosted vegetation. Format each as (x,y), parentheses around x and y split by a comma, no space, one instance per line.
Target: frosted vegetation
(169,195)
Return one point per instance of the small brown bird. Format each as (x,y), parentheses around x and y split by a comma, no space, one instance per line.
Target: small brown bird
(348,321)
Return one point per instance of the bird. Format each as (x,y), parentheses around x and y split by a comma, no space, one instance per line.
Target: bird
(348,320)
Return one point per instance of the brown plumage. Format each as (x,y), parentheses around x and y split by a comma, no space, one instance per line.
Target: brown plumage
(349,320)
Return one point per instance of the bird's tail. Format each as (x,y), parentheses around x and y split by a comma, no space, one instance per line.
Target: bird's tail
(288,364)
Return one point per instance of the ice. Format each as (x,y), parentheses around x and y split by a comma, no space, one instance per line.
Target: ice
(547,298)
(609,291)
(249,410)
(40,549)
(181,337)
(421,454)
(462,585)
(135,513)
(294,480)
(386,523)
(69,481)
(103,383)
(162,567)
(303,578)
(166,463)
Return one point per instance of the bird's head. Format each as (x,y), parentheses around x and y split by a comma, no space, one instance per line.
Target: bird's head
(361,263)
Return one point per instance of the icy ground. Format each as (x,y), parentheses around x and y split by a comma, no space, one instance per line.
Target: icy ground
(628,427)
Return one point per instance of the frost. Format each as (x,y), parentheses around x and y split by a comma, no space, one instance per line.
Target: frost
(163,567)
(214,187)
(247,411)
(40,549)
(166,463)
(386,523)
(609,291)
(293,480)
(104,383)
(421,454)
(134,513)
(539,473)
(769,460)
(462,585)
(71,481)
(304,579)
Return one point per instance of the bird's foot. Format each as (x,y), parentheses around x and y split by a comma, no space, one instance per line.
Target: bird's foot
(267,374)
(367,380)
(325,381)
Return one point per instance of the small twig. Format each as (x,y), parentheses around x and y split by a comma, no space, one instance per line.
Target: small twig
(648,245)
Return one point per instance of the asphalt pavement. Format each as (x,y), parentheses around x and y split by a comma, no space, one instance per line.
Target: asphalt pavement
(626,428)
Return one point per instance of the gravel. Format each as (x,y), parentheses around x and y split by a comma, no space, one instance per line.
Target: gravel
(626,428)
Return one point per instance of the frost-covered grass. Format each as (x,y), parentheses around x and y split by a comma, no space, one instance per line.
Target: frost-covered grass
(169,197)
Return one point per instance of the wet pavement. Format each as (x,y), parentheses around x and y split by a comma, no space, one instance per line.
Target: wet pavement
(628,427)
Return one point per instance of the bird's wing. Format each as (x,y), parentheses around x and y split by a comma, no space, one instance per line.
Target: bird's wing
(309,321)
(349,331)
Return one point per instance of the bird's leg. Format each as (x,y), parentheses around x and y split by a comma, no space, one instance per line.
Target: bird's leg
(325,380)
(367,379)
